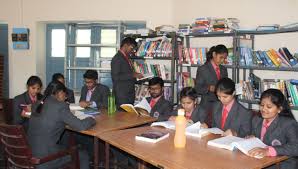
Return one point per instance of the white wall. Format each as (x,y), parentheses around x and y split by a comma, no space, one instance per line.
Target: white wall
(33,14)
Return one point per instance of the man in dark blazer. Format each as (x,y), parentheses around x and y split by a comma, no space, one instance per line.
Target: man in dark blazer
(123,75)
(206,80)
(69,93)
(160,107)
(282,135)
(238,119)
(93,94)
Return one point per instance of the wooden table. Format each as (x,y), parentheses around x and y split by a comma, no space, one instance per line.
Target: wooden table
(196,155)
(104,123)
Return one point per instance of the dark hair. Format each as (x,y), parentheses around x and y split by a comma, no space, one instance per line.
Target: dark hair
(278,99)
(219,49)
(129,41)
(156,80)
(57,76)
(91,74)
(225,85)
(33,80)
(53,88)
(188,92)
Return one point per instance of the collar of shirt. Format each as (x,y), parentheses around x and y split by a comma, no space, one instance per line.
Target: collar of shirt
(267,123)
(124,54)
(229,106)
(214,65)
(156,99)
(33,98)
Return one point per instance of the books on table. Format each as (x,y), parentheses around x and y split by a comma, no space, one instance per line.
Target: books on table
(152,136)
(232,142)
(74,107)
(194,130)
(142,108)
(82,113)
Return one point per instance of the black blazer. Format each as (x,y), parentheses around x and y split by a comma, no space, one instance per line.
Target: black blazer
(123,80)
(282,134)
(239,119)
(17,109)
(46,128)
(99,95)
(197,114)
(70,96)
(206,76)
(162,109)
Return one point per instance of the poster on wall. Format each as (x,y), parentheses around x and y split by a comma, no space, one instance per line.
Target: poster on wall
(20,38)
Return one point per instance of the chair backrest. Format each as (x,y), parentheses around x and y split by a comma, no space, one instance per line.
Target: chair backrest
(16,146)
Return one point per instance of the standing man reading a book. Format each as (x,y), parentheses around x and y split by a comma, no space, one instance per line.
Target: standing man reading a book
(123,75)
(160,107)
(93,94)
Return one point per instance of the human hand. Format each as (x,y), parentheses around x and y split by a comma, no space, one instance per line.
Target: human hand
(229,132)
(84,104)
(204,126)
(211,88)
(172,118)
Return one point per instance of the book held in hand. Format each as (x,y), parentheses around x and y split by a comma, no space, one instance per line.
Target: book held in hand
(152,136)
(232,142)
(142,108)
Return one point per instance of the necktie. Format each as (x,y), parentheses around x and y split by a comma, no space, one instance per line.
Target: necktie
(265,125)
(217,72)
(224,117)
(152,103)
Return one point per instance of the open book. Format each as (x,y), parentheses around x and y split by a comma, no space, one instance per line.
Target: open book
(142,108)
(81,115)
(152,136)
(194,130)
(232,142)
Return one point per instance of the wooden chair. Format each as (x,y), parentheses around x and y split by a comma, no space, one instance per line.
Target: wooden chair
(18,152)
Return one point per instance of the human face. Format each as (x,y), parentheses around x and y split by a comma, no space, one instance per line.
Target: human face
(218,58)
(155,90)
(188,104)
(61,96)
(34,90)
(130,49)
(61,80)
(269,110)
(90,83)
(225,99)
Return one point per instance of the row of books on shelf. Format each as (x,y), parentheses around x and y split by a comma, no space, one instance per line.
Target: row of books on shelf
(199,55)
(270,58)
(252,90)
(184,79)
(142,90)
(155,47)
(157,70)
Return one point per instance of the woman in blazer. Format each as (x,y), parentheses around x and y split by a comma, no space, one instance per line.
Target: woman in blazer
(207,77)
(229,115)
(47,123)
(188,99)
(277,128)
(22,103)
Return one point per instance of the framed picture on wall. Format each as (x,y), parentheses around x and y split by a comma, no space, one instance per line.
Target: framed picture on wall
(20,38)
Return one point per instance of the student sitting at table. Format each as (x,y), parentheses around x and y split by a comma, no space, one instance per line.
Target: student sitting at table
(22,103)
(160,107)
(188,100)
(69,93)
(93,94)
(229,115)
(47,122)
(277,128)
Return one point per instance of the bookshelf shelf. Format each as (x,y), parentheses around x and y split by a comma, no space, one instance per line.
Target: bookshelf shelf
(151,58)
(251,68)
(270,68)
(167,61)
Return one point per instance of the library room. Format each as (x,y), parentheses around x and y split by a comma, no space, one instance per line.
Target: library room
(172,85)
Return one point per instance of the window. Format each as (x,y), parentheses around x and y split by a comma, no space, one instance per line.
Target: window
(74,48)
